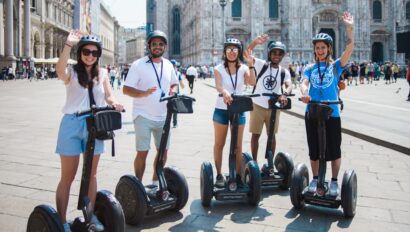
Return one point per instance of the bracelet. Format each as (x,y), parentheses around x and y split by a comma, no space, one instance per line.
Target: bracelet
(251,67)
(68,45)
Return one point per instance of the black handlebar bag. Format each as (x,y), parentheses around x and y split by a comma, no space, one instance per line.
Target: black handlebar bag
(106,122)
(181,105)
(240,104)
(319,111)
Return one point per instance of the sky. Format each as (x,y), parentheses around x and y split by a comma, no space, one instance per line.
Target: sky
(129,13)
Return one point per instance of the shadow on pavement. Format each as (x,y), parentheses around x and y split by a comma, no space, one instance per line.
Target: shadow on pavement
(315,218)
(156,221)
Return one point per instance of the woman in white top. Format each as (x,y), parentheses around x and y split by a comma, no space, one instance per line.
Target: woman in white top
(230,77)
(73,134)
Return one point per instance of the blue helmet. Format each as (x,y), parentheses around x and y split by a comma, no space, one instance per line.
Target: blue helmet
(174,62)
(90,39)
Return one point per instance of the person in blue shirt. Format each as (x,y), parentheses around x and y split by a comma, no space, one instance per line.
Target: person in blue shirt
(320,81)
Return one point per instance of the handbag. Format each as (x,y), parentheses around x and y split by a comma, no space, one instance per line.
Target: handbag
(181,105)
(240,104)
(105,123)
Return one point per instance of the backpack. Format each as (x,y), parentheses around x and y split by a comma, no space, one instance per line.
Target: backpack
(264,68)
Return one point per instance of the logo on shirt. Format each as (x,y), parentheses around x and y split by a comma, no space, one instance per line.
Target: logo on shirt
(269,82)
(328,78)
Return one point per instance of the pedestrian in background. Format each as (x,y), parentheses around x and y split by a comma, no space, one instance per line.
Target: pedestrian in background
(73,132)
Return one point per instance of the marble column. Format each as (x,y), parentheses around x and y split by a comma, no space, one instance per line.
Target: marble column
(8,32)
(27,25)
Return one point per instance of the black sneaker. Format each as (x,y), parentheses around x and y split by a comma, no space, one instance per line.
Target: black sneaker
(239,181)
(220,181)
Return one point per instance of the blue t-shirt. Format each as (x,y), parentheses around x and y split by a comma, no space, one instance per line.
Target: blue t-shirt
(326,90)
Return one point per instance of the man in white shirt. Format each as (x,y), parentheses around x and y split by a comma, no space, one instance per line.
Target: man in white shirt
(191,74)
(270,77)
(149,79)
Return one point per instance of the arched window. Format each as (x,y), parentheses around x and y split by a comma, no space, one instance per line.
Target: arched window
(377,11)
(237,9)
(176,32)
(408,10)
(273,9)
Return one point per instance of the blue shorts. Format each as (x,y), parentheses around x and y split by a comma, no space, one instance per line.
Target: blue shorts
(223,117)
(72,137)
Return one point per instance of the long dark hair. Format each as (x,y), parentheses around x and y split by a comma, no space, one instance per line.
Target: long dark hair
(83,79)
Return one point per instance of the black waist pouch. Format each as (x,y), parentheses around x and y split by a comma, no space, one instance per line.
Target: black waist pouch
(106,122)
(181,105)
(319,111)
(240,104)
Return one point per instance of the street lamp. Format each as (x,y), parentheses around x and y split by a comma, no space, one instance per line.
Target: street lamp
(223,4)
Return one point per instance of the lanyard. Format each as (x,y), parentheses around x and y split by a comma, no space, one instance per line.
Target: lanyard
(236,78)
(321,75)
(277,72)
(159,78)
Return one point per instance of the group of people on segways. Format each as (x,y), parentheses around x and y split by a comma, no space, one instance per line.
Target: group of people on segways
(153,84)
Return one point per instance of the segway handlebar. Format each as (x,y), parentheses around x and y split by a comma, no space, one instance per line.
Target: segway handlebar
(243,95)
(326,102)
(175,96)
(96,109)
(278,95)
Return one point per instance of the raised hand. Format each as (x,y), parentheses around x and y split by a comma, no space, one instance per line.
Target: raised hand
(74,37)
(347,19)
(261,39)
(248,56)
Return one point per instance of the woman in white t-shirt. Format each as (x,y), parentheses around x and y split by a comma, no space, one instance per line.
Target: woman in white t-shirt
(230,77)
(73,133)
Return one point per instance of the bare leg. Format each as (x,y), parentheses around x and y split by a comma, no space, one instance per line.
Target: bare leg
(255,146)
(139,164)
(336,167)
(69,165)
(219,143)
(315,167)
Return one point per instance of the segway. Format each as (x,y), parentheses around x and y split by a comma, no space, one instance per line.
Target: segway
(107,209)
(282,162)
(299,193)
(139,201)
(250,190)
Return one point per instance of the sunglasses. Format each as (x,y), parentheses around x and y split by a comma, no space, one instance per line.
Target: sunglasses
(236,50)
(155,44)
(87,52)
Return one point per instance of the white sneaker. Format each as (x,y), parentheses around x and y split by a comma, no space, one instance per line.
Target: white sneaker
(334,189)
(66,227)
(98,225)
(313,186)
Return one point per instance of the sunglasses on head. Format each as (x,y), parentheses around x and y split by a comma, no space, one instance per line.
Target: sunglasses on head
(236,50)
(155,44)
(87,52)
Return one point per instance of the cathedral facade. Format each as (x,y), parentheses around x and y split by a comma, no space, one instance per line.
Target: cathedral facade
(196,29)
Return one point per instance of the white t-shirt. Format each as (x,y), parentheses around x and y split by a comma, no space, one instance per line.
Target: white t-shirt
(227,83)
(77,98)
(141,76)
(191,71)
(269,82)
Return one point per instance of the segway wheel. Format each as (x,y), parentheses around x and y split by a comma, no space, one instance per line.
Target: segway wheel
(109,211)
(253,180)
(207,183)
(246,157)
(132,196)
(300,179)
(44,218)
(349,193)
(177,186)
(284,165)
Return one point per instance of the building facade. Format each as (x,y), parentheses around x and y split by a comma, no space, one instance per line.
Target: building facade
(39,29)
(124,35)
(196,29)
(136,46)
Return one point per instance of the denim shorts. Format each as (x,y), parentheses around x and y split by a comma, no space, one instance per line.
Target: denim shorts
(143,129)
(223,117)
(73,135)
